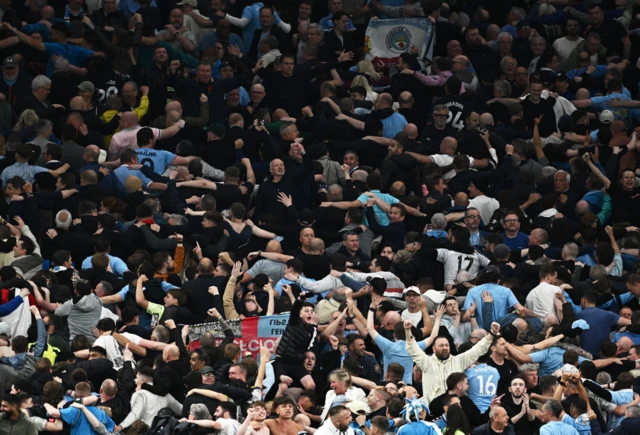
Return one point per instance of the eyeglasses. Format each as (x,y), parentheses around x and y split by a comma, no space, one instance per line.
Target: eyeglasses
(208,375)
(473,216)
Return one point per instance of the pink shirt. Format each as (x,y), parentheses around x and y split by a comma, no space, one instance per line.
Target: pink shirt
(126,139)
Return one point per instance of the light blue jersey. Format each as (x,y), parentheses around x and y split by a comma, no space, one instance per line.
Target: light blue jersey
(483,384)
(550,360)
(157,160)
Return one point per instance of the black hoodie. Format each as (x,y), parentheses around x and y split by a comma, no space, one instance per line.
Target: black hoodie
(401,167)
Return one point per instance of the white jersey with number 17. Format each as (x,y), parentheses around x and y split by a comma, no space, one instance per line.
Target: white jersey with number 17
(455,261)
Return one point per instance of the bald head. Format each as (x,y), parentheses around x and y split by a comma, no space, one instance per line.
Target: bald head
(582,207)
(486,119)
(624,344)
(173,117)
(385,100)
(274,246)
(317,245)
(411,130)
(173,106)
(449,145)
(391,319)
(77,103)
(205,266)
(461,200)
(91,153)
(129,119)
(170,353)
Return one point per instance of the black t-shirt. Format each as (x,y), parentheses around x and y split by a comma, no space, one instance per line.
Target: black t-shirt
(524,426)
(457,107)
(432,137)
(544,107)
(507,371)
(611,33)
(315,266)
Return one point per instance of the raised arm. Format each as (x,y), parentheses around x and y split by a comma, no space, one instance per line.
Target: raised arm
(140,299)
(587,158)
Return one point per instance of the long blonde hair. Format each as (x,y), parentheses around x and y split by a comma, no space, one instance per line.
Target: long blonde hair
(341,376)
(366,67)
(362,81)
(27,118)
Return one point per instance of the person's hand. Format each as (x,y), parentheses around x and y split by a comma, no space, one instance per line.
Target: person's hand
(213,312)
(408,324)
(258,66)
(495,327)
(52,233)
(24,293)
(104,171)
(287,289)
(592,415)
(170,323)
(534,197)
(486,296)
(76,404)
(197,250)
(234,50)
(306,110)
(236,271)
(87,21)
(345,56)
(285,199)
(171,29)
(525,401)
(128,355)
(19,220)
(537,120)
(174,65)
(34,310)
(286,379)
(143,278)
(472,308)
(265,353)
(560,296)
(155,228)
(361,419)
(609,230)
(496,401)
(239,143)
(334,342)
(204,98)
(440,311)
(213,290)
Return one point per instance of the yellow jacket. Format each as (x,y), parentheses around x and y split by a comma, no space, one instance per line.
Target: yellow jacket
(108,115)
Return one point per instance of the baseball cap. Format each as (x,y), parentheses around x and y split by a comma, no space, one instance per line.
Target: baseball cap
(217,129)
(193,3)
(492,269)
(357,406)
(206,369)
(436,296)
(306,217)
(86,87)
(9,62)
(522,24)
(5,329)
(412,288)
(562,76)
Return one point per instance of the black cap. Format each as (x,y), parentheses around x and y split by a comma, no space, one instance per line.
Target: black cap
(522,24)
(562,76)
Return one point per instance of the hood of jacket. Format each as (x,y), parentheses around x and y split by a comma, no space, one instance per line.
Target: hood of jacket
(404,162)
(88,303)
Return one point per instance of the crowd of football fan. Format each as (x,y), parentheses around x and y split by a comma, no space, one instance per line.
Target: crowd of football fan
(453,238)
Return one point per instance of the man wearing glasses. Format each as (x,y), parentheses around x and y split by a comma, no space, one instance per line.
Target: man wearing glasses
(513,238)
(472,221)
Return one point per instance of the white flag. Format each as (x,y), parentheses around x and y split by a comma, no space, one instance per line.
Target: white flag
(386,40)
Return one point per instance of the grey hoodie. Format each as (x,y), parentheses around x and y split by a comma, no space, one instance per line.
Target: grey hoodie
(82,316)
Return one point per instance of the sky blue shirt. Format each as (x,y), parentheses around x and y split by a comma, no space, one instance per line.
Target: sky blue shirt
(396,352)
(622,397)
(157,160)
(327,23)
(123,172)
(75,418)
(621,113)
(581,424)
(550,360)
(619,335)
(74,54)
(118,266)
(601,322)
(393,125)
(558,428)
(252,13)
(383,218)
(25,171)
(503,299)
(483,384)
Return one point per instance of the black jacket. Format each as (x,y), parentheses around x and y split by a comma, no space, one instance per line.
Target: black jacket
(401,167)
(121,404)
(280,35)
(20,89)
(169,379)
(199,300)
(485,429)
(296,338)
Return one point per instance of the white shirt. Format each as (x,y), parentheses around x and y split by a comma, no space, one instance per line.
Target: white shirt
(486,206)
(114,352)
(541,300)
(445,160)
(564,47)
(229,426)
(414,317)
(454,262)
(329,429)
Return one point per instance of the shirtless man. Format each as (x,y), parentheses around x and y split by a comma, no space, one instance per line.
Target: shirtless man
(284,424)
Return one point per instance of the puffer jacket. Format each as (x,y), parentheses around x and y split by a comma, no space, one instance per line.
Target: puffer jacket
(297,337)
(332,171)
